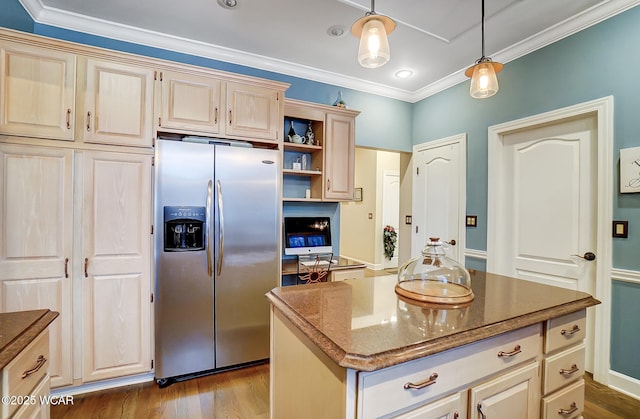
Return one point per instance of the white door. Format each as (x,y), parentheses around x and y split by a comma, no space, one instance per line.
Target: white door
(391,211)
(547,201)
(439,192)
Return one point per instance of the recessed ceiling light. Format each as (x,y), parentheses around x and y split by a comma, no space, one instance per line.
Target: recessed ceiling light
(336,31)
(228,4)
(404,74)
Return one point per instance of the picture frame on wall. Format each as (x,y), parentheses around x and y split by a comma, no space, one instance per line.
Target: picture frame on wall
(630,170)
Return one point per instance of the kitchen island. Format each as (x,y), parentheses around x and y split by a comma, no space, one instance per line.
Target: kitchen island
(354,349)
(24,355)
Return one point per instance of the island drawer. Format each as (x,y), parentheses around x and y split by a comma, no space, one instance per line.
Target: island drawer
(391,389)
(567,403)
(25,371)
(563,368)
(565,330)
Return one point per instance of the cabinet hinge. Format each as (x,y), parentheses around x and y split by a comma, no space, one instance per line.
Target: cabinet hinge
(152,297)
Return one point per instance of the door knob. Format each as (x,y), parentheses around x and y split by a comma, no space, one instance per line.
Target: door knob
(588,256)
(452,242)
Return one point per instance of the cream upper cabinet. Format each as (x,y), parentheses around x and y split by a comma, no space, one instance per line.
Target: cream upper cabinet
(339,157)
(213,105)
(190,102)
(36,235)
(116,265)
(252,111)
(117,104)
(37,91)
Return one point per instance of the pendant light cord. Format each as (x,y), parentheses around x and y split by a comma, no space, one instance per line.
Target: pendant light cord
(373,8)
(482,29)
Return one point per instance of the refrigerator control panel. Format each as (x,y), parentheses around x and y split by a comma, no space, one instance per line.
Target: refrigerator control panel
(184,228)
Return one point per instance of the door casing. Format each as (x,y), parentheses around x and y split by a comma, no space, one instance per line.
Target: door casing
(602,110)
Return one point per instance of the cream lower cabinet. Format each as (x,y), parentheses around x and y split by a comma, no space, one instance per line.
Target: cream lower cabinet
(36,242)
(37,91)
(116,102)
(493,376)
(116,265)
(110,196)
(564,366)
(26,378)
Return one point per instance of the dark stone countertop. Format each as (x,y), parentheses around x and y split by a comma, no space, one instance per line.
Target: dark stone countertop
(362,323)
(19,328)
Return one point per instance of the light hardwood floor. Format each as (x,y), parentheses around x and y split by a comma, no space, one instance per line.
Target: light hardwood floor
(244,394)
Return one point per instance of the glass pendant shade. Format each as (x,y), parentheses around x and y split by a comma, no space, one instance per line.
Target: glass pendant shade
(374,45)
(484,82)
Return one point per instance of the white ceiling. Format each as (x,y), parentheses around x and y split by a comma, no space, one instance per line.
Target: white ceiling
(436,39)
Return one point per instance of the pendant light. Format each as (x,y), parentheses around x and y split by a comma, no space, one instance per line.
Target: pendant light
(484,82)
(373,29)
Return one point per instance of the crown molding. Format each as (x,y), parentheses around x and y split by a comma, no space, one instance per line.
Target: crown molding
(98,27)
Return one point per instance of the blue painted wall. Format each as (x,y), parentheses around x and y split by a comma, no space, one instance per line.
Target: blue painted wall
(597,62)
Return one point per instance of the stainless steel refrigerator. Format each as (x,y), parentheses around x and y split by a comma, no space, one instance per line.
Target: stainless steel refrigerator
(216,255)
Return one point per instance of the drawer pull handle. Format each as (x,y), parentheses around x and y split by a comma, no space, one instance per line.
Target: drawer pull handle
(574,329)
(86,265)
(88,121)
(432,380)
(482,415)
(569,411)
(573,370)
(516,350)
(66,267)
(68,118)
(39,363)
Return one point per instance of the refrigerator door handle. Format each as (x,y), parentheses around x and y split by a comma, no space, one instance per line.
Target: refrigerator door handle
(207,239)
(221,233)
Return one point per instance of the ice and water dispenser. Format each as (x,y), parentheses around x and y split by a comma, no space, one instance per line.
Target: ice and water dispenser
(184,229)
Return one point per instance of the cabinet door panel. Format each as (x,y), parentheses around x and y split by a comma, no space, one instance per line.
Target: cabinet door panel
(252,111)
(339,161)
(451,407)
(513,395)
(36,242)
(116,256)
(36,92)
(190,102)
(118,104)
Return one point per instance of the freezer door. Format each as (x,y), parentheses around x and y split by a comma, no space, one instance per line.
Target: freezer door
(246,251)
(184,290)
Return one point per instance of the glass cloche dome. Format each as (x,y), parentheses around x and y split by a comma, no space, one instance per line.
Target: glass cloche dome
(434,278)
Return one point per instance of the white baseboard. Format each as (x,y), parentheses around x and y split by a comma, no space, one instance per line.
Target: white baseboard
(102,385)
(624,384)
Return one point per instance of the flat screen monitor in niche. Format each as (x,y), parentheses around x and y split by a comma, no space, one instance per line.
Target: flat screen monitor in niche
(307,235)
